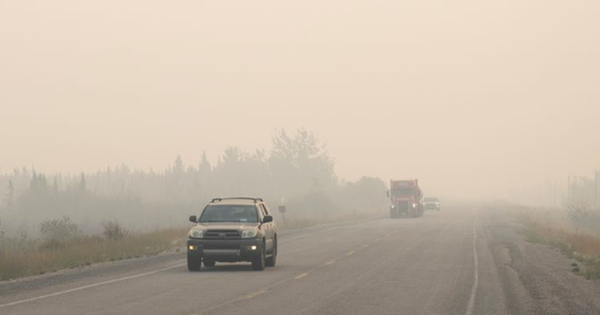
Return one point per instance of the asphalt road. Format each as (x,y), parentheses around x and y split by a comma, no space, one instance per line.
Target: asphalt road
(462,260)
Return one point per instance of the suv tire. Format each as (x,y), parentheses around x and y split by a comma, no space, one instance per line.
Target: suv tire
(258,263)
(271,261)
(193,264)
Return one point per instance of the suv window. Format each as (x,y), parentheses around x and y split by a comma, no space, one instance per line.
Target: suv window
(229,213)
(264,209)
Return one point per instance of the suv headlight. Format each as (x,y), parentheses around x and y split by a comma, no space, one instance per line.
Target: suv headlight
(249,233)
(196,233)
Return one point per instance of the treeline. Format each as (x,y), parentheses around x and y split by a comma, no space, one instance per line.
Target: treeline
(584,191)
(296,171)
(582,204)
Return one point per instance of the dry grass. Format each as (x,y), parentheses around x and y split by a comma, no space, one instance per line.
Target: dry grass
(22,257)
(582,246)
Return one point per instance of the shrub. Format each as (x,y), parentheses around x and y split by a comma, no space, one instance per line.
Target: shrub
(583,217)
(113,230)
(58,232)
(1,239)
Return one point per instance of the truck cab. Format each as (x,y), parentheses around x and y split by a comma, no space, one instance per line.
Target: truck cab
(405,198)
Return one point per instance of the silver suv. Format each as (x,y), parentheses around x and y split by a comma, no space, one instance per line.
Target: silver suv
(231,230)
(431,203)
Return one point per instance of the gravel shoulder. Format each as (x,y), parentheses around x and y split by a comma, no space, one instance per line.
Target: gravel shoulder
(535,278)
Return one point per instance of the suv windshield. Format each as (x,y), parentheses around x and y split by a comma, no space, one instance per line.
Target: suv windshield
(229,213)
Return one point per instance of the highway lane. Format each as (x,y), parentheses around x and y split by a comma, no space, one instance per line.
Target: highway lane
(441,263)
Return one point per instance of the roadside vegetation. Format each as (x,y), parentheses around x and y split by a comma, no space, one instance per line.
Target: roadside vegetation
(574,230)
(296,171)
(62,245)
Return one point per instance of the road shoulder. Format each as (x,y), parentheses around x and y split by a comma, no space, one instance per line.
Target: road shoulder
(535,278)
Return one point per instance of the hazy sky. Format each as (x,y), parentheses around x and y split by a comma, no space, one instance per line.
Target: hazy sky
(466,95)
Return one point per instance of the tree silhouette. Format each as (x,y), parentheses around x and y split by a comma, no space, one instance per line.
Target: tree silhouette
(8,198)
(296,169)
(300,163)
(82,183)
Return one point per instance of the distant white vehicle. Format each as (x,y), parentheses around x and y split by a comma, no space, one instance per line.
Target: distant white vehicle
(431,203)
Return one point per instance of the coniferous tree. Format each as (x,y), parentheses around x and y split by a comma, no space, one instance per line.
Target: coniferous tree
(8,198)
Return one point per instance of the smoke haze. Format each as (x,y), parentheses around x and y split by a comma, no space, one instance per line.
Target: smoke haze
(474,99)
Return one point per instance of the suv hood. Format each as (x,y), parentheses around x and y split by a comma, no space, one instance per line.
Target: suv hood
(227,225)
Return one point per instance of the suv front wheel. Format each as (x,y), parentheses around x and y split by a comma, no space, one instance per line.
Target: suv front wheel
(258,263)
(193,264)
(271,261)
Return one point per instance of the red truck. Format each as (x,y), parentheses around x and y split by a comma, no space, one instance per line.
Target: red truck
(405,198)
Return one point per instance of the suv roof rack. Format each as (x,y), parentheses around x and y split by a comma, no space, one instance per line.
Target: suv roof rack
(233,198)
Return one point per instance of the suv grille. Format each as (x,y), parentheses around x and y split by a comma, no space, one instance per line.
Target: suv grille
(222,234)
(221,246)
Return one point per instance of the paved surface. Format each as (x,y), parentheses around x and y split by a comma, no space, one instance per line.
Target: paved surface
(462,260)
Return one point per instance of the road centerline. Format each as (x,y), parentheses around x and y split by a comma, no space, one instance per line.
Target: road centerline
(255,294)
(298,277)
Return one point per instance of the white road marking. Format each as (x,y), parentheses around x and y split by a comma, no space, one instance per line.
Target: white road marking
(301,276)
(89,286)
(471,304)
(255,294)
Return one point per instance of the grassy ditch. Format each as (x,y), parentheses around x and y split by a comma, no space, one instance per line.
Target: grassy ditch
(21,257)
(572,242)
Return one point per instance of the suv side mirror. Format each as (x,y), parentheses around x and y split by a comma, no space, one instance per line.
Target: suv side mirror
(267,219)
(193,219)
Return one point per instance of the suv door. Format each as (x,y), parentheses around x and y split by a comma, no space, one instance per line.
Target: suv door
(269,228)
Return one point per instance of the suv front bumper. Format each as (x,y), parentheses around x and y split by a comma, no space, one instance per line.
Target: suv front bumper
(431,206)
(224,250)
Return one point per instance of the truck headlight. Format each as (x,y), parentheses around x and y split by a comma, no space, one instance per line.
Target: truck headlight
(196,233)
(249,233)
